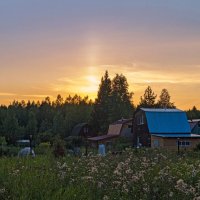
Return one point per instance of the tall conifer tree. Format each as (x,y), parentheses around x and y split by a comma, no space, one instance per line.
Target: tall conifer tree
(122,106)
(164,101)
(102,105)
(148,99)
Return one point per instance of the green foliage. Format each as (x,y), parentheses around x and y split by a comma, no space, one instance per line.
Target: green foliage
(3,141)
(58,124)
(11,127)
(197,147)
(44,137)
(102,105)
(193,113)
(122,106)
(3,146)
(43,120)
(113,102)
(58,146)
(121,143)
(32,124)
(73,141)
(9,151)
(43,148)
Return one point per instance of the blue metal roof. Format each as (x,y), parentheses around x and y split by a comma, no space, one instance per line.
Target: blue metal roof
(167,121)
(161,110)
(177,135)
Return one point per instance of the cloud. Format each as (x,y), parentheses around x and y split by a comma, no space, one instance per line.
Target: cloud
(36,95)
(6,94)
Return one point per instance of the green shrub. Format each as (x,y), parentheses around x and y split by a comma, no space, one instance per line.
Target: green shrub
(42,148)
(58,147)
(197,148)
(73,141)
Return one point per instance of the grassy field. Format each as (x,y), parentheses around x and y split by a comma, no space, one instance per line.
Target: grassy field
(143,174)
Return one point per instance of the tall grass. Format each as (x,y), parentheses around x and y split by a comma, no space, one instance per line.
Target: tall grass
(142,174)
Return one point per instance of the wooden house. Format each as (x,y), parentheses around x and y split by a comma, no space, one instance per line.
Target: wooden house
(166,128)
(82,130)
(120,128)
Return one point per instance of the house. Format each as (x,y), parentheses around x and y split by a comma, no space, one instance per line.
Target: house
(82,130)
(126,127)
(166,128)
(120,128)
(195,126)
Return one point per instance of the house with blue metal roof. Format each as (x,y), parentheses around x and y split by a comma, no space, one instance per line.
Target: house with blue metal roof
(163,128)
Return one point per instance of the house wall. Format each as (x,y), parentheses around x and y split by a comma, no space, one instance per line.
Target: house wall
(126,130)
(171,143)
(141,130)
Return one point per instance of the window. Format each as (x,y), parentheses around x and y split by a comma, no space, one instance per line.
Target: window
(183,143)
(187,143)
(156,143)
(140,120)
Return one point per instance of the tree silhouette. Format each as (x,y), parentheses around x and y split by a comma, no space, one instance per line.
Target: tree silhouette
(148,99)
(102,105)
(122,106)
(164,101)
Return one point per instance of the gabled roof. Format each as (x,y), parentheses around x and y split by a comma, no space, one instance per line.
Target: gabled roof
(167,121)
(195,126)
(193,123)
(76,130)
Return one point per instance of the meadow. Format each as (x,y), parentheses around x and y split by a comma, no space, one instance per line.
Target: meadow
(133,174)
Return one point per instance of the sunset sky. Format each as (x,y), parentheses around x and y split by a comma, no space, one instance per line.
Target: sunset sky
(50,47)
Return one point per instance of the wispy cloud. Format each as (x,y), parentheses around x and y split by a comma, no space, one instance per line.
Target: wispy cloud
(6,94)
(36,95)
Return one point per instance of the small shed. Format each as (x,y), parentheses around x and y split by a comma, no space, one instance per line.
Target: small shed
(82,130)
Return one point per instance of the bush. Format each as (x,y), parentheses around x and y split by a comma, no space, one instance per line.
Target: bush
(42,148)
(9,151)
(58,147)
(122,143)
(73,141)
(197,148)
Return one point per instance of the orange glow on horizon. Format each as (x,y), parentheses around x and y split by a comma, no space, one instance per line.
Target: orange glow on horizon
(87,81)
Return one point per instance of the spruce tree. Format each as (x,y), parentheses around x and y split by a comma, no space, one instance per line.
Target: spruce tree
(101,111)
(11,127)
(59,124)
(122,106)
(32,124)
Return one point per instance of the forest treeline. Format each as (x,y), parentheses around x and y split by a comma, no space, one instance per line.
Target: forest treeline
(48,118)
